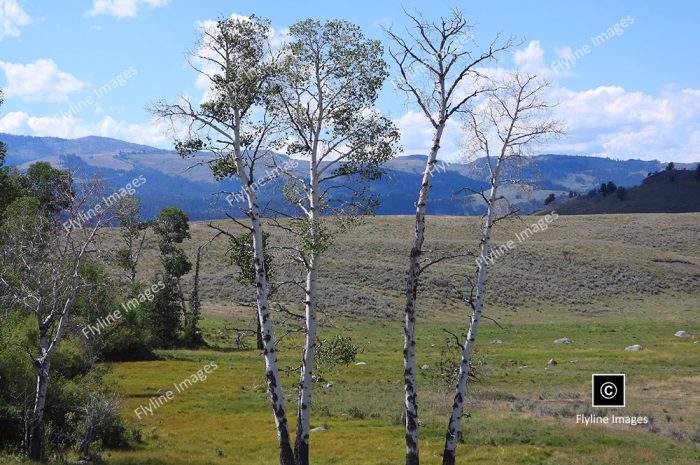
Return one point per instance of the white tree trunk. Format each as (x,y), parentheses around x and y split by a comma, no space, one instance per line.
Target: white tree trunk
(36,426)
(301,445)
(409,348)
(274,385)
(453,427)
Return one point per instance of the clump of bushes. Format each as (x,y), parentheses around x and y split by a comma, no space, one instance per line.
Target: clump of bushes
(81,413)
(332,353)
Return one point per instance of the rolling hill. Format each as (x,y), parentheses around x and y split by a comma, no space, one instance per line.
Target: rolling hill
(676,191)
(181,182)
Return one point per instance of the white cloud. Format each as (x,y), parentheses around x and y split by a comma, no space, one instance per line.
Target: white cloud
(610,121)
(531,58)
(417,134)
(39,81)
(11,17)
(122,8)
(607,121)
(70,127)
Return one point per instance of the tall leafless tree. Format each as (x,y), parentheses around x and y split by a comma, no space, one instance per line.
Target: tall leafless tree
(513,119)
(439,68)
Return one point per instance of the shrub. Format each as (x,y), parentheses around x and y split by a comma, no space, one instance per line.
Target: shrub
(335,352)
(445,373)
(127,340)
(356,412)
(75,392)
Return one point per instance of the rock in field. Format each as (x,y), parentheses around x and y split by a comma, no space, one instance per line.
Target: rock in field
(318,428)
(361,363)
(552,362)
(496,341)
(681,334)
(634,347)
(425,367)
(564,340)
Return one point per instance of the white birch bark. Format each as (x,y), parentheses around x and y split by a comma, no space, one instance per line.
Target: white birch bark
(512,121)
(453,427)
(439,50)
(274,384)
(36,425)
(409,348)
(301,445)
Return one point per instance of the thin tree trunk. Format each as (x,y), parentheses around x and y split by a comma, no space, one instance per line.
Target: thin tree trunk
(36,427)
(409,350)
(453,427)
(272,372)
(195,300)
(301,447)
(183,303)
(274,384)
(47,347)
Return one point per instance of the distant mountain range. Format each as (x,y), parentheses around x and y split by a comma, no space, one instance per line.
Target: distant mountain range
(172,181)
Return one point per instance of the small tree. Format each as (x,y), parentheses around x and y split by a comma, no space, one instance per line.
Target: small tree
(329,86)
(697,172)
(671,166)
(610,188)
(40,269)
(172,228)
(551,198)
(133,233)
(621,193)
(332,353)
(163,313)
(604,189)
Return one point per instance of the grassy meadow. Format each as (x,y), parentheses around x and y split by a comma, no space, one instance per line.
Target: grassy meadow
(606,282)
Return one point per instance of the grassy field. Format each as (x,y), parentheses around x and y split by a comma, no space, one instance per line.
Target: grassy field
(606,282)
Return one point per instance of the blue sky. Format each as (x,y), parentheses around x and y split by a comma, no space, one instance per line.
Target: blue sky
(637,95)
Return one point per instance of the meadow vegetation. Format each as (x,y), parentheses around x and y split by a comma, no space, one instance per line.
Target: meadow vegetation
(521,410)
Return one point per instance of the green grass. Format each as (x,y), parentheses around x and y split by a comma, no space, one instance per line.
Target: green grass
(592,279)
(227,417)
(518,415)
